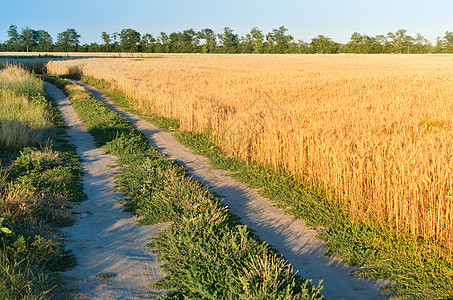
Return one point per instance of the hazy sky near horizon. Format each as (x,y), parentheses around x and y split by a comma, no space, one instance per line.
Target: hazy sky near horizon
(337,19)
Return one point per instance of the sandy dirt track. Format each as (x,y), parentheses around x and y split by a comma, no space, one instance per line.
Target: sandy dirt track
(295,241)
(105,239)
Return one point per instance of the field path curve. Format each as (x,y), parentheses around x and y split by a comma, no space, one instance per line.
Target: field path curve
(292,238)
(105,239)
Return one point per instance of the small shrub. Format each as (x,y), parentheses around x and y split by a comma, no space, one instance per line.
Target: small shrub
(127,143)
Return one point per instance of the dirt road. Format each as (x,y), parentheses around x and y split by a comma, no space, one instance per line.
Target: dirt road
(105,239)
(295,241)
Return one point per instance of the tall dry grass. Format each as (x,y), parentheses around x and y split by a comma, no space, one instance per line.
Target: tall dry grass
(24,117)
(376,130)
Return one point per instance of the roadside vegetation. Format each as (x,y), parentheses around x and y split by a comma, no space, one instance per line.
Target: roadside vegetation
(208,254)
(39,180)
(415,268)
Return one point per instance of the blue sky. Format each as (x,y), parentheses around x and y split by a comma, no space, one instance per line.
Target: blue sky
(304,19)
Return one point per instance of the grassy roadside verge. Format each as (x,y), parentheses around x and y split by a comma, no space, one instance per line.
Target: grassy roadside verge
(208,254)
(39,179)
(415,267)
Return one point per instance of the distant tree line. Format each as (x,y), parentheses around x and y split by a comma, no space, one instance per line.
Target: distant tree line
(207,41)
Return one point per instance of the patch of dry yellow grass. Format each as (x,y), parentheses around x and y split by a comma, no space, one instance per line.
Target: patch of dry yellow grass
(24,119)
(374,129)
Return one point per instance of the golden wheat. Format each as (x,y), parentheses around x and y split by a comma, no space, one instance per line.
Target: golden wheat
(374,129)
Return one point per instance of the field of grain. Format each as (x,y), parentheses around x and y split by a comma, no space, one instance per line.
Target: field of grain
(376,130)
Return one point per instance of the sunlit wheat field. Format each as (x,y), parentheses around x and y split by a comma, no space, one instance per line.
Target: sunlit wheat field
(375,131)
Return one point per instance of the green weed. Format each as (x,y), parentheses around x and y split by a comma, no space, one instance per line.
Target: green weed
(105,275)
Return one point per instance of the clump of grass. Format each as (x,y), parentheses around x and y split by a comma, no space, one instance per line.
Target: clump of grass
(18,135)
(105,275)
(23,122)
(25,117)
(21,82)
(208,254)
(29,266)
(42,186)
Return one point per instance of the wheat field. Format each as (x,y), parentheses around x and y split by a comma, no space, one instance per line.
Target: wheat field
(376,130)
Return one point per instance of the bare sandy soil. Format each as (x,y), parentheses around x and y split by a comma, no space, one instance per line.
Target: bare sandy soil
(295,241)
(105,239)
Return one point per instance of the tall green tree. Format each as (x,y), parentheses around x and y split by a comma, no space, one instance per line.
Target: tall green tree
(68,41)
(421,44)
(448,38)
(13,43)
(107,40)
(164,43)
(281,39)
(184,42)
(405,41)
(322,44)
(440,46)
(45,42)
(115,43)
(245,44)
(269,42)
(392,43)
(147,43)
(302,47)
(129,40)
(355,43)
(210,39)
(229,40)
(400,41)
(92,47)
(257,39)
(176,42)
(382,42)
(28,38)
(370,45)
(189,41)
